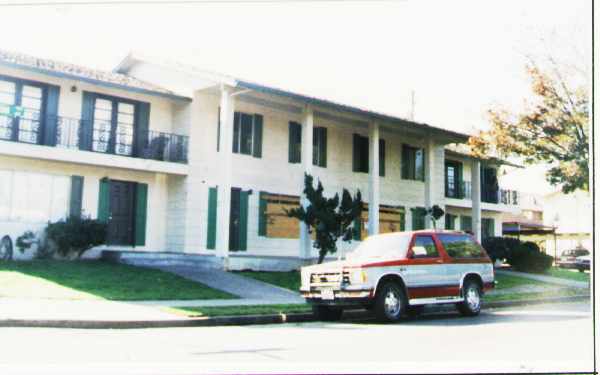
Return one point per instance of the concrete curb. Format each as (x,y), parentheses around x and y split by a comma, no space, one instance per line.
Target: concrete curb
(245,319)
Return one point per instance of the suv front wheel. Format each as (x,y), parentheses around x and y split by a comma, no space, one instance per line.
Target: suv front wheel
(471,304)
(390,303)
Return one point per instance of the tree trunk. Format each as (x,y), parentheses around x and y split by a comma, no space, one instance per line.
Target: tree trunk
(322,254)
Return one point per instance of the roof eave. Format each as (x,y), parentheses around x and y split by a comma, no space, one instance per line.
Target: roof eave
(456,137)
(94,81)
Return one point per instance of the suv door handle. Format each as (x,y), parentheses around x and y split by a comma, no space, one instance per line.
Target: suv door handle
(439,261)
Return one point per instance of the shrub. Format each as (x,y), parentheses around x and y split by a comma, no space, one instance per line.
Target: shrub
(499,247)
(75,235)
(527,257)
(25,241)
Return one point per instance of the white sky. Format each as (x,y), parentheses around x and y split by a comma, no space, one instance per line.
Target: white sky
(460,57)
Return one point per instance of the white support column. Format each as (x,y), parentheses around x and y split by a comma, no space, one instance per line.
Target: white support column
(476,199)
(373,178)
(429,178)
(225,168)
(307,163)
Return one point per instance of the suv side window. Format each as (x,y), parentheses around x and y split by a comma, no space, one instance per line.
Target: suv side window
(460,246)
(424,247)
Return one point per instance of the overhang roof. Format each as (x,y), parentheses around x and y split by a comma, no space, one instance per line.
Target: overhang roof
(81,73)
(464,151)
(134,58)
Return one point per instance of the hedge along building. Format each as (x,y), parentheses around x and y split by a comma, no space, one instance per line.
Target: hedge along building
(210,161)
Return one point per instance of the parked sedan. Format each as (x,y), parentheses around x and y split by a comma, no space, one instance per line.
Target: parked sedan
(569,257)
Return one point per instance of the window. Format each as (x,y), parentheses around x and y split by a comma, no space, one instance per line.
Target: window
(450,221)
(460,246)
(247,134)
(33,197)
(320,146)
(295,143)
(418,218)
(488,227)
(413,163)
(466,224)
(20,111)
(360,155)
(453,179)
(273,221)
(424,247)
(114,123)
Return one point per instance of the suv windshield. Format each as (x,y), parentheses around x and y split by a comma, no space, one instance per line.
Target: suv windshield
(382,246)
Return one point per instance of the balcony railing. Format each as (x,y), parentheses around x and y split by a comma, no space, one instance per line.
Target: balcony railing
(69,134)
(499,196)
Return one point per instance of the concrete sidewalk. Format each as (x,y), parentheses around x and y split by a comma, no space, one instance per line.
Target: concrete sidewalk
(547,279)
(244,287)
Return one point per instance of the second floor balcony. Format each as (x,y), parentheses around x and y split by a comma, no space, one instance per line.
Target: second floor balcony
(489,194)
(97,136)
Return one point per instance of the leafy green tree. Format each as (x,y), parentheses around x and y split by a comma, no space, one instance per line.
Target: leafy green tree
(329,218)
(554,129)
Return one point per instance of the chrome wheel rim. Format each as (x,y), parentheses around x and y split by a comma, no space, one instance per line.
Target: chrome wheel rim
(392,303)
(473,298)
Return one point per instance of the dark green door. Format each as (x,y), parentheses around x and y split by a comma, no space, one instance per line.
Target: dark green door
(238,220)
(121,217)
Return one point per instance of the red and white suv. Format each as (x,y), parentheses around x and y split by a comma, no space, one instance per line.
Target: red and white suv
(397,274)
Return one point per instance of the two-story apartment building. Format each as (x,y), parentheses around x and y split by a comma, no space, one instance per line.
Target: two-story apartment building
(181,160)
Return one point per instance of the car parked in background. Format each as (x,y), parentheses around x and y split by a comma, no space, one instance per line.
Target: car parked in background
(582,263)
(568,258)
(396,274)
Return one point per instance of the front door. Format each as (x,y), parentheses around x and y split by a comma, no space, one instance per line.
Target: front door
(120,225)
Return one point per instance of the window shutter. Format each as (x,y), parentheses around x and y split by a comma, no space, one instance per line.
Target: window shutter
(142,134)
(323,147)
(418,218)
(243,244)
(218,128)
(211,236)
(295,139)
(76,196)
(262,215)
(355,153)
(257,136)
(141,204)
(422,166)
(51,119)
(466,224)
(402,221)
(381,158)
(87,121)
(460,186)
(104,200)
(356,230)
(236,132)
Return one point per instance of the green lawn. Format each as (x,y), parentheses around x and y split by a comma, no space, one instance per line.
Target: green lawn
(288,280)
(97,280)
(291,280)
(239,310)
(558,292)
(568,274)
(510,281)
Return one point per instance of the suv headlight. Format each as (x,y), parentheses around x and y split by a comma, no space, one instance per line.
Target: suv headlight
(358,276)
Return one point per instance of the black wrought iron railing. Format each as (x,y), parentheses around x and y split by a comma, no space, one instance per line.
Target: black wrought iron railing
(462,190)
(100,136)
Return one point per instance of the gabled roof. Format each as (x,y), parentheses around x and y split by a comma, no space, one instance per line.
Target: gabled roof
(81,73)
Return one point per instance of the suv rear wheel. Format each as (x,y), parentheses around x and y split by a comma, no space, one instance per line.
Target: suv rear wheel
(471,304)
(327,313)
(390,303)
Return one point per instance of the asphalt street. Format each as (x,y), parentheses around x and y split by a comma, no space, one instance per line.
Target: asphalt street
(542,338)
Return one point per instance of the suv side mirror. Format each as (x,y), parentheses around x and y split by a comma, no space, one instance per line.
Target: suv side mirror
(418,251)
